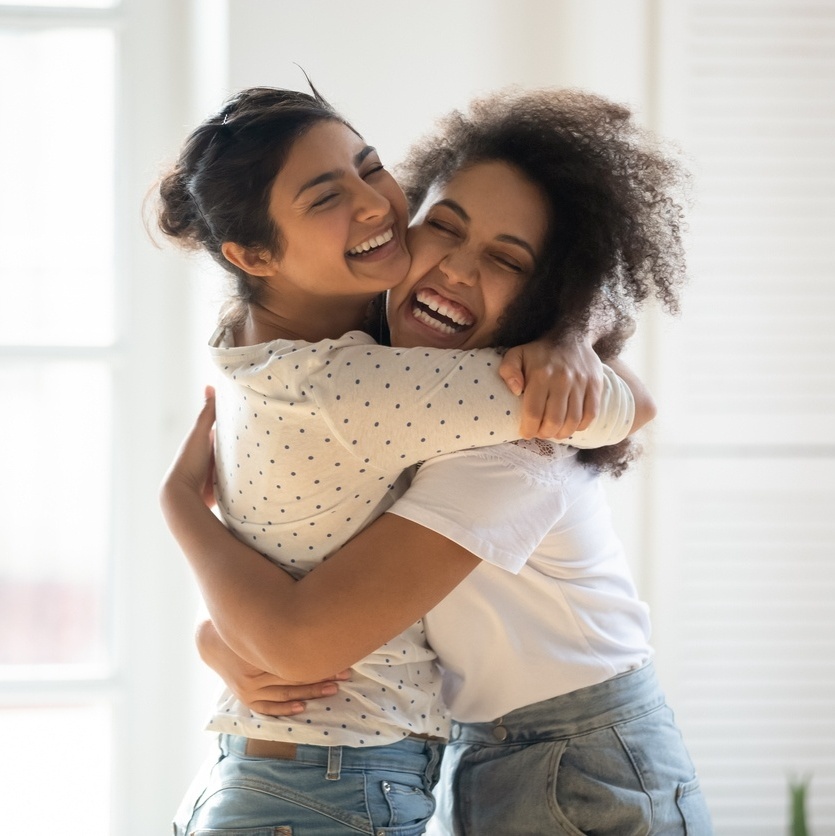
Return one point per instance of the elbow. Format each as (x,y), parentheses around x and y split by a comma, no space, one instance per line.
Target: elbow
(645,411)
(295,656)
(303,671)
(304,661)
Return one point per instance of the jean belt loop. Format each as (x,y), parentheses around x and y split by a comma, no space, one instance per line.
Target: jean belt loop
(433,767)
(334,763)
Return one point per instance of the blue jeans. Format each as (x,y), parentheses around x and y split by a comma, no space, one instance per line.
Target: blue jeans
(325,790)
(607,759)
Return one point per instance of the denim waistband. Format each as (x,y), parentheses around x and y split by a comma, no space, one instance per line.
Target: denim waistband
(408,755)
(623,697)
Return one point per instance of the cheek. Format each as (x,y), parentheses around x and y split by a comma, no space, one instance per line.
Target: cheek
(425,251)
(329,236)
(504,294)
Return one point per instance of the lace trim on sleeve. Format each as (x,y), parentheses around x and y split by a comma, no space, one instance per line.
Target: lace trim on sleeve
(540,463)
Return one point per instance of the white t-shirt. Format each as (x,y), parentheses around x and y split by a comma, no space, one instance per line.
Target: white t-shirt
(552,607)
(311,439)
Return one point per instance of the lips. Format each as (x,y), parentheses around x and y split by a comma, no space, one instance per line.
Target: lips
(372,243)
(439,313)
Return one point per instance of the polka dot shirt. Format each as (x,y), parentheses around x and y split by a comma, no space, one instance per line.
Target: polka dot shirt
(311,441)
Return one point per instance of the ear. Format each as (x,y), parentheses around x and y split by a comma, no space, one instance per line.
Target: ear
(255,262)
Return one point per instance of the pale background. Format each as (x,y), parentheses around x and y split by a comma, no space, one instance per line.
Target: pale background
(728,520)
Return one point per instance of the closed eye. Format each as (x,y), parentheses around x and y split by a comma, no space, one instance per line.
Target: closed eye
(375,169)
(442,226)
(509,264)
(321,201)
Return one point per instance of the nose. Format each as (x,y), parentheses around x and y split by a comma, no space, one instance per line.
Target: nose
(459,267)
(370,204)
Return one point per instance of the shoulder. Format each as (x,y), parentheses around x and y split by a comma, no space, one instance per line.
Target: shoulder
(226,354)
(539,462)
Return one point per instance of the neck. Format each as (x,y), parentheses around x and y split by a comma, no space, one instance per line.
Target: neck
(321,318)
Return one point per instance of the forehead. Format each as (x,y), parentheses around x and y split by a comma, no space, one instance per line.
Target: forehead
(328,145)
(499,198)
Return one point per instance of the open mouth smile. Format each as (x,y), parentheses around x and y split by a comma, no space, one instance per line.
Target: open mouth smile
(439,313)
(372,243)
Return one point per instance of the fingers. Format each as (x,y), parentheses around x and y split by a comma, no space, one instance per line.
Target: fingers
(284,700)
(511,371)
(550,405)
(591,402)
(534,401)
(276,709)
(206,417)
(561,387)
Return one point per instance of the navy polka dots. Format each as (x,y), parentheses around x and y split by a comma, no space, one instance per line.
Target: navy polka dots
(311,469)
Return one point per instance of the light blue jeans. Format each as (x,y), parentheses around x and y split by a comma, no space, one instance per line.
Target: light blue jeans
(324,791)
(607,759)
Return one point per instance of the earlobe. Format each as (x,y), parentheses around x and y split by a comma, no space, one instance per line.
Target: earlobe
(256,262)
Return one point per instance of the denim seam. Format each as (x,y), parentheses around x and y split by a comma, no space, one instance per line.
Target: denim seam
(297,798)
(555,760)
(549,738)
(637,771)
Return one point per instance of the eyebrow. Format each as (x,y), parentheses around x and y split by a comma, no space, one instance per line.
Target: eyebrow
(335,174)
(459,210)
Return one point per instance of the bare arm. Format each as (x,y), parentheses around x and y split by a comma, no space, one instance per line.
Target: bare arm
(372,589)
(261,691)
(375,587)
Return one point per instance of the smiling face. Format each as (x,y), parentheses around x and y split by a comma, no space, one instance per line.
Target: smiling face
(475,242)
(341,218)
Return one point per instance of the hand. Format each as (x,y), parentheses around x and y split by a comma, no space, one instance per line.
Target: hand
(560,384)
(194,465)
(258,690)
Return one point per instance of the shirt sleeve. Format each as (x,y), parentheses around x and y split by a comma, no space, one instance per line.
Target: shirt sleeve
(483,503)
(394,407)
(615,418)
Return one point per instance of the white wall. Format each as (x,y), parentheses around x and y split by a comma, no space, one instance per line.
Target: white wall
(393,67)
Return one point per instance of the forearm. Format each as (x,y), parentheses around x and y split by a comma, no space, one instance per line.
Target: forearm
(304,631)
(615,418)
(239,586)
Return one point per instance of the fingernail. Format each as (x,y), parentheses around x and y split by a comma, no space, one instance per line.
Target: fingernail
(329,690)
(297,707)
(515,386)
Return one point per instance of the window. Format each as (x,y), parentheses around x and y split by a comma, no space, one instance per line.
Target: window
(85,667)
(742,527)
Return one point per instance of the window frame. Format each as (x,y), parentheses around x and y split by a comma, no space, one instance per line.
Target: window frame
(150,685)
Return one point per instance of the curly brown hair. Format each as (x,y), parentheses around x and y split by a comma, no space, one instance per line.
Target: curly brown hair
(616,198)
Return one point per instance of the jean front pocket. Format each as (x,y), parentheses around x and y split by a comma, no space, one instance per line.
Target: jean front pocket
(407,805)
(597,788)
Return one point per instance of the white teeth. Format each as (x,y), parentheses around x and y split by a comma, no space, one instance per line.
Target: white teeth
(372,243)
(431,302)
(424,317)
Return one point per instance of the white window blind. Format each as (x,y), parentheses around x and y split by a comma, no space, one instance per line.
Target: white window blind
(743,563)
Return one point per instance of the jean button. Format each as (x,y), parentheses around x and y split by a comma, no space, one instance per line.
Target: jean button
(500,733)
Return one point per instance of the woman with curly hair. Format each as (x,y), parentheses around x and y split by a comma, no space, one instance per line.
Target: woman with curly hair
(535,213)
